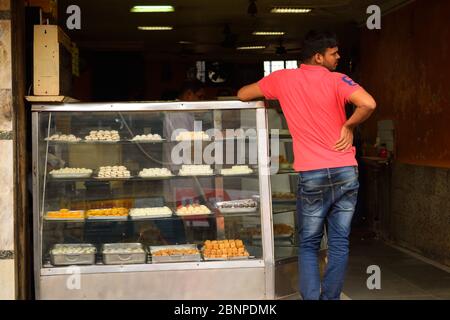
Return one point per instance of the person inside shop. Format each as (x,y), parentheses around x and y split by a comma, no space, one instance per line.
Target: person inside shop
(190,91)
(313,99)
(174,231)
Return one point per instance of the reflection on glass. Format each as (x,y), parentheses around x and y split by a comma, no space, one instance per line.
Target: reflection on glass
(113,177)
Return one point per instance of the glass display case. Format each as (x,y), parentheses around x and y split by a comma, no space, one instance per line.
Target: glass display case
(284,184)
(180,200)
(284,189)
(153,200)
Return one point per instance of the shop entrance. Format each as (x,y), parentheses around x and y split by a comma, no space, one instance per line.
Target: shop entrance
(200,52)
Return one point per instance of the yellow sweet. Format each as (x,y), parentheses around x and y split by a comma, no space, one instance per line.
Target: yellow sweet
(224,249)
(113,212)
(65,214)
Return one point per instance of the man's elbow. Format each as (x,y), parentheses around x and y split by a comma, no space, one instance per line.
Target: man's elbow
(369,104)
(242,96)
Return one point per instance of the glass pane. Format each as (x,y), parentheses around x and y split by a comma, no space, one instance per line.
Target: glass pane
(155,178)
(267,68)
(201,71)
(277,65)
(283,185)
(291,64)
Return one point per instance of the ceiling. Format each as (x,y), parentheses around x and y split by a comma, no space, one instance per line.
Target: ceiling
(109,24)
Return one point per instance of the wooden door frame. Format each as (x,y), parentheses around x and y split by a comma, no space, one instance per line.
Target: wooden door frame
(23,247)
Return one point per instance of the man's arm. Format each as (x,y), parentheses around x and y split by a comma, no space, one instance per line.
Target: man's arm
(250,92)
(365,105)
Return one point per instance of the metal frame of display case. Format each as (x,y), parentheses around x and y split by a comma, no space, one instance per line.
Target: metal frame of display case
(252,279)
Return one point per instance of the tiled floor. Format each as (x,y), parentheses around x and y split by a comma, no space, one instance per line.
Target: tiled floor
(402,275)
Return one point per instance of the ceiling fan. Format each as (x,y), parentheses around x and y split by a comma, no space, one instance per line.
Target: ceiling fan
(282,50)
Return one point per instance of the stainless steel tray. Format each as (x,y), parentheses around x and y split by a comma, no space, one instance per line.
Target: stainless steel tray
(155,177)
(70,175)
(113,178)
(240,258)
(115,218)
(63,141)
(196,175)
(123,258)
(104,141)
(192,140)
(151,217)
(65,219)
(223,206)
(72,259)
(175,258)
(147,141)
(47,218)
(236,174)
(194,215)
(237,210)
(214,259)
(225,259)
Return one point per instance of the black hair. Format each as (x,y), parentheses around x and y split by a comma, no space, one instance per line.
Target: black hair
(169,95)
(317,42)
(191,85)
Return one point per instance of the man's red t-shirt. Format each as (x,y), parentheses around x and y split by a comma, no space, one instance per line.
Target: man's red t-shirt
(313,101)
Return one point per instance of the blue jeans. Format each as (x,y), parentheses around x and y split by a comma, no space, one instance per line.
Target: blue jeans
(325,195)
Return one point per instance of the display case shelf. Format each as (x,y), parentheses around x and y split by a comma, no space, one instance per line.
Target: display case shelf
(291,172)
(104,143)
(284,209)
(159,142)
(128,219)
(137,178)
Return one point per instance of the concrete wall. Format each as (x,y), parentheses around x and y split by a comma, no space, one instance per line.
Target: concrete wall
(7,267)
(404,65)
(420,213)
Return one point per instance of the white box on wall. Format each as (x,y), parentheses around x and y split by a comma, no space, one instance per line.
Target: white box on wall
(52,56)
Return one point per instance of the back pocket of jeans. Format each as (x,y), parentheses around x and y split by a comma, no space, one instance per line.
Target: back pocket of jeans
(349,195)
(312,201)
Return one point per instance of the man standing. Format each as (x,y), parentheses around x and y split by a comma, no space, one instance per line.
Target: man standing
(313,98)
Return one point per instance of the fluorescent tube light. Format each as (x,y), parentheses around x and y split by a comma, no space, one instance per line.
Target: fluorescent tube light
(268,33)
(140,9)
(155,28)
(251,48)
(290,10)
